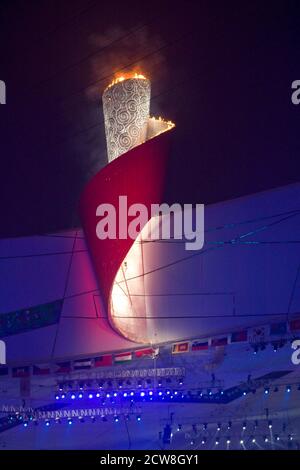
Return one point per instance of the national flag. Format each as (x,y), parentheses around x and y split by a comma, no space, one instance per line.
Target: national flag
(20,372)
(3,371)
(103,361)
(150,352)
(257,335)
(219,341)
(82,364)
(41,369)
(278,328)
(295,325)
(123,357)
(238,336)
(62,367)
(180,348)
(199,345)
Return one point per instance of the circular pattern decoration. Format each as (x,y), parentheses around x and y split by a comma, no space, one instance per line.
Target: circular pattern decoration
(126,108)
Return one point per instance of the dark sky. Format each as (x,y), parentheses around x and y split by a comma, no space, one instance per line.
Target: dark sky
(221,70)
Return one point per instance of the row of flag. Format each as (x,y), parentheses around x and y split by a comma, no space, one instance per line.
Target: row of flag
(77,365)
(250,335)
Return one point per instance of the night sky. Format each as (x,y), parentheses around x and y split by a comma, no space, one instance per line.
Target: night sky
(221,70)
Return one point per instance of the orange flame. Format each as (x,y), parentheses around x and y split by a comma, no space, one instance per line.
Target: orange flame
(126,76)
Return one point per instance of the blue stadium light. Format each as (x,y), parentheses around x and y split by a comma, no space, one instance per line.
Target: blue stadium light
(140,383)
(47,423)
(288,388)
(108,395)
(60,388)
(267,390)
(73,396)
(180,381)
(203,441)
(244,393)
(253,440)
(132,394)
(244,426)
(228,440)
(219,427)
(57,397)
(142,394)
(70,421)
(277,438)
(115,394)
(90,395)
(125,394)
(150,393)
(25,424)
(116,419)
(160,393)
(80,395)
(242,442)
(168,392)
(175,392)
(138,418)
(217,441)
(159,383)
(270,424)
(266,439)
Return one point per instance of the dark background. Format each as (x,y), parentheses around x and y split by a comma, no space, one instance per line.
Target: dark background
(221,70)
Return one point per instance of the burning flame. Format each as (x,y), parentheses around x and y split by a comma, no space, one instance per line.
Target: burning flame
(126,76)
(160,120)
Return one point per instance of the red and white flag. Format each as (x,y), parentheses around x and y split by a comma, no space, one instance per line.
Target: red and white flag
(147,352)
